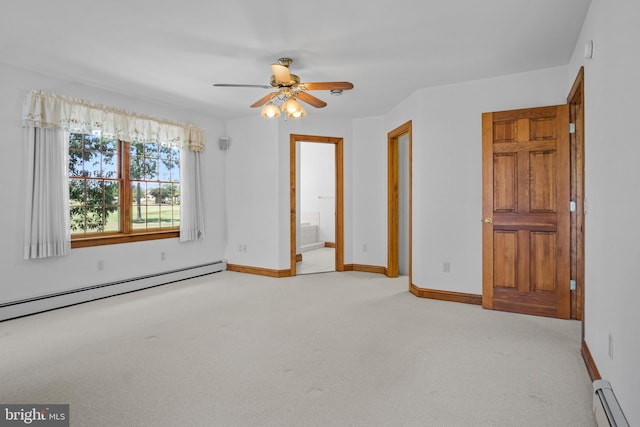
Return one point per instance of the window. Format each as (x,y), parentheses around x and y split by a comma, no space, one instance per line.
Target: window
(121,191)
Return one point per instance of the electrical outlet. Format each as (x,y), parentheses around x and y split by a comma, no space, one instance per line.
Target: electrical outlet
(244,248)
(610,346)
(446,267)
(163,256)
(100,265)
(364,248)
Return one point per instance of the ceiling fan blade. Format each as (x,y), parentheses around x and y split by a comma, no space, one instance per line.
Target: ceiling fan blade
(268,97)
(311,100)
(240,85)
(327,85)
(281,73)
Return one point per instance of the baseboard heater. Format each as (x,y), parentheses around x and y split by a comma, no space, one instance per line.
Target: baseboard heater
(606,408)
(39,304)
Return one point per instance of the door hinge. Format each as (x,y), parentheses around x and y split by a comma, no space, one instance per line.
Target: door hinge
(572,206)
(572,285)
(572,128)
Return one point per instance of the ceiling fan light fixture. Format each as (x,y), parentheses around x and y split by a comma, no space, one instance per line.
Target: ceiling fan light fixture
(288,91)
(290,106)
(270,110)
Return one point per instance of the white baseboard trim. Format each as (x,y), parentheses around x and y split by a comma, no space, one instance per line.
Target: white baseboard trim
(28,306)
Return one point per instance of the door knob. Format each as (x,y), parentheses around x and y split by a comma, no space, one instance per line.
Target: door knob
(488,220)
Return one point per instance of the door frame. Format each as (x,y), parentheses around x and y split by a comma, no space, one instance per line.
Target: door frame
(575,99)
(339,171)
(393,208)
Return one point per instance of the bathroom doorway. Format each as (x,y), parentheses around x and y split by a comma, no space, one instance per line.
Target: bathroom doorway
(316,205)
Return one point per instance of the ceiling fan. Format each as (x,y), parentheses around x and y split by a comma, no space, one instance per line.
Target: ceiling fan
(289,89)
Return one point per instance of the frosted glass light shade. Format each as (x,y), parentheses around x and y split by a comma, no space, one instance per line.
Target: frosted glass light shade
(270,110)
(290,106)
(297,114)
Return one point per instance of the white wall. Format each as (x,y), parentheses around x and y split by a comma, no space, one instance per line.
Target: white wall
(447,173)
(612,150)
(24,279)
(258,197)
(370,191)
(252,164)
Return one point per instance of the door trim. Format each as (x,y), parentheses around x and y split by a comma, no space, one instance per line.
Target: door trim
(339,243)
(575,99)
(392,199)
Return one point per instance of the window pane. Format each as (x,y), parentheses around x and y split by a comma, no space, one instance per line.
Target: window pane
(76,191)
(91,142)
(111,200)
(110,146)
(139,217)
(166,216)
(151,149)
(94,219)
(95,192)
(136,163)
(175,171)
(113,219)
(138,193)
(165,152)
(111,192)
(110,159)
(92,163)
(75,141)
(137,149)
(109,166)
(150,169)
(153,193)
(176,215)
(76,165)
(153,216)
(164,171)
(77,218)
(176,194)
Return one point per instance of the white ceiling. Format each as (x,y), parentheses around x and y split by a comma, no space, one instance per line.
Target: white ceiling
(174,51)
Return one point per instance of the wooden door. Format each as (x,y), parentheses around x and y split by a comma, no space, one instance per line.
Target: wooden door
(525,231)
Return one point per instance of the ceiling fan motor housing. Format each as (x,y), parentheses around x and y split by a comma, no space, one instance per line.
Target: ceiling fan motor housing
(285,61)
(295,81)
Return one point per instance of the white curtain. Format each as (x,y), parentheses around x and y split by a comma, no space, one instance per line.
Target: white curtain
(48,110)
(47,231)
(191,196)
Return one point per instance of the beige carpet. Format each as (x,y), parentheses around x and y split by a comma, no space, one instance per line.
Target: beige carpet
(335,349)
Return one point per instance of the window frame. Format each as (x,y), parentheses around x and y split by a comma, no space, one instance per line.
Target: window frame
(127,233)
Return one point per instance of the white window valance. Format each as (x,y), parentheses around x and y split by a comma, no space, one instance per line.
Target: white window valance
(48,110)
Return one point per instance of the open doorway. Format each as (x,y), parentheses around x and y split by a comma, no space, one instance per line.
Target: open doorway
(399,202)
(316,180)
(315,194)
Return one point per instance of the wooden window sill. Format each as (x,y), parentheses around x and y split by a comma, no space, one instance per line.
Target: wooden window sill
(114,239)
